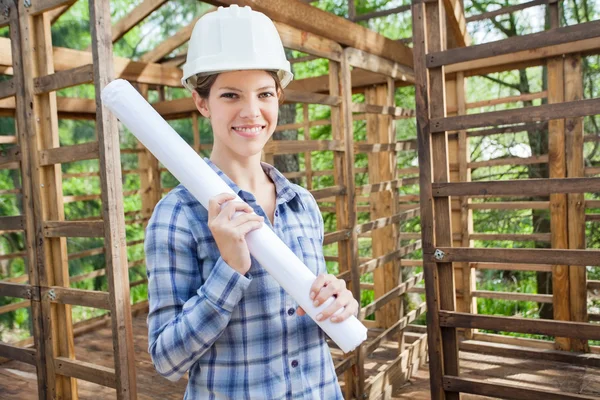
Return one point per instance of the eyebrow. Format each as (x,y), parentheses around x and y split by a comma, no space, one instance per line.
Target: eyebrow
(238,90)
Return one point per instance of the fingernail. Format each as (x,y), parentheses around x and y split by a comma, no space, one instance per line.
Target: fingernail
(316,303)
(334,319)
(312,295)
(319,317)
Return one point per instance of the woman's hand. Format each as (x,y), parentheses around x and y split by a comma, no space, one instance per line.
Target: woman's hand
(230,234)
(325,286)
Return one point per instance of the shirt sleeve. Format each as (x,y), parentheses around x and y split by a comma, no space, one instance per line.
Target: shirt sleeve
(186,315)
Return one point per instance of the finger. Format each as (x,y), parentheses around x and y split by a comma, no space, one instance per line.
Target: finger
(300,311)
(342,300)
(242,219)
(332,288)
(248,227)
(349,311)
(321,281)
(214,204)
(232,207)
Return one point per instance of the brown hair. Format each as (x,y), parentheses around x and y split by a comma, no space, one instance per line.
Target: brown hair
(205,83)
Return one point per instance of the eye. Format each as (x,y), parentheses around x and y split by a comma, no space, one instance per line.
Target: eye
(266,94)
(229,95)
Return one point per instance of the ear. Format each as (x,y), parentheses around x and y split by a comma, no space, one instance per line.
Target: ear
(201,104)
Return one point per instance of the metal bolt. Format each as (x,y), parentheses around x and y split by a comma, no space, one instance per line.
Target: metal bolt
(28,293)
(51,294)
(27,3)
(439,254)
(6,11)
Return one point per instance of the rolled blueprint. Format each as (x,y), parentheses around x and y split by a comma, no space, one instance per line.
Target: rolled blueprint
(203,183)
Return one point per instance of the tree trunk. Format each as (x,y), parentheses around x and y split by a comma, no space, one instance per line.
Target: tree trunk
(287,162)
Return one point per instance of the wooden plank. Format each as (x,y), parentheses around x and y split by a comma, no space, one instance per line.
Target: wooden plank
(375,263)
(521,325)
(515,44)
(370,62)
(311,19)
(484,388)
(541,237)
(64,79)
(172,42)
(516,341)
(377,147)
(66,154)
(523,187)
(79,297)
(592,217)
(327,192)
(86,371)
(512,266)
(511,205)
(41,6)
(378,187)
(73,228)
(8,139)
(389,296)
(21,291)
(337,236)
(308,42)
(384,221)
(295,146)
(7,88)
(456,19)
(10,155)
(505,10)
(24,355)
(520,256)
(573,82)
(134,17)
(384,110)
(569,109)
(431,272)
(537,298)
(541,159)
(509,99)
(112,211)
(295,96)
(381,13)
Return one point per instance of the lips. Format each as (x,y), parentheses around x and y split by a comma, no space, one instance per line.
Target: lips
(248,130)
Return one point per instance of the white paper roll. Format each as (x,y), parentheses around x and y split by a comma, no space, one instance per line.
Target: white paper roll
(203,183)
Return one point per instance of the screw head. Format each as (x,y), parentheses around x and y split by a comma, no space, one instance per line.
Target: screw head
(439,254)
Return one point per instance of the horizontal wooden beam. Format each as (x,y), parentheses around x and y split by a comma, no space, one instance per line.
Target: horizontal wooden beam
(510,205)
(40,6)
(10,155)
(538,237)
(308,42)
(86,371)
(520,256)
(506,10)
(379,65)
(301,146)
(7,88)
(570,109)
(485,388)
(337,236)
(19,290)
(64,79)
(378,187)
(383,110)
(524,187)
(66,154)
(295,96)
(505,100)
(389,296)
(385,221)
(328,192)
(537,298)
(74,228)
(378,147)
(134,17)
(511,45)
(78,297)
(520,325)
(24,355)
(375,263)
(381,13)
(512,266)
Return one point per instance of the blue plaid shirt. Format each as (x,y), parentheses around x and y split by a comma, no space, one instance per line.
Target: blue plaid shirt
(238,335)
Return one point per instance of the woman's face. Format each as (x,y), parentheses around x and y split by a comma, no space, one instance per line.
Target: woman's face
(242,107)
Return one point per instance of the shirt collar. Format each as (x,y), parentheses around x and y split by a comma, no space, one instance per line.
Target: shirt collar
(284,189)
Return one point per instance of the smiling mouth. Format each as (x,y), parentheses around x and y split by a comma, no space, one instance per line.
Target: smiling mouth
(248,131)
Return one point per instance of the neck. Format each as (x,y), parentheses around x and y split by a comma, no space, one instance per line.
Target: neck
(246,172)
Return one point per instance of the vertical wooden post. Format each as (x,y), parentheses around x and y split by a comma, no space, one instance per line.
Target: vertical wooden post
(558,201)
(384,240)
(307,156)
(433,164)
(466,214)
(37,276)
(117,270)
(575,201)
(41,128)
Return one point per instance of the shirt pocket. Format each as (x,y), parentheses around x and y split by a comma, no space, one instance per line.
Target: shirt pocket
(312,254)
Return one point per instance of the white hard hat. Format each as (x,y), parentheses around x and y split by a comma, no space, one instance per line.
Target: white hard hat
(231,39)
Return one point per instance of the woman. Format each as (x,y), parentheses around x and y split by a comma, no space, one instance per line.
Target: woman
(214,311)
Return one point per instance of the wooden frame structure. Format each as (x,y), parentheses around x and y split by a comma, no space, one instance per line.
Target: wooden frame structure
(359,61)
(441,138)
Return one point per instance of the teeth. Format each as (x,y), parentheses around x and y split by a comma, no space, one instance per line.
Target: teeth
(249,130)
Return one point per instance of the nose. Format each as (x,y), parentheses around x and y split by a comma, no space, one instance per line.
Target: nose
(250,108)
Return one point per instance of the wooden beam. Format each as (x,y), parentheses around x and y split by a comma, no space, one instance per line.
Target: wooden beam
(520,256)
(134,17)
(515,44)
(458,24)
(525,187)
(383,110)
(80,297)
(505,10)
(66,154)
(64,79)
(172,42)
(570,109)
(338,29)
(370,62)
(7,88)
(85,371)
(73,229)
(381,13)
(24,355)
(41,6)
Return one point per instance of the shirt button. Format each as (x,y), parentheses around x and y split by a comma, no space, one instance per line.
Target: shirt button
(291,311)
(294,363)
(276,213)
